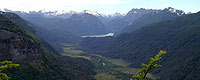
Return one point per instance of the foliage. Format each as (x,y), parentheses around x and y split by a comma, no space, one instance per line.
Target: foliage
(9,25)
(152,64)
(19,21)
(4,65)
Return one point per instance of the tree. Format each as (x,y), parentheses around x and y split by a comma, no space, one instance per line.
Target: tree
(4,65)
(152,64)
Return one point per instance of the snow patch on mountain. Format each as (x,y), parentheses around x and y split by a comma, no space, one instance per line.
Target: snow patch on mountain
(64,13)
(96,13)
(173,10)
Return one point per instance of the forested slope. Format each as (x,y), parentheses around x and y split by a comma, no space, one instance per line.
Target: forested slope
(179,36)
(37,60)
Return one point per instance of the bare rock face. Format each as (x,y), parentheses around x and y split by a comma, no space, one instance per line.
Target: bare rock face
(18,48)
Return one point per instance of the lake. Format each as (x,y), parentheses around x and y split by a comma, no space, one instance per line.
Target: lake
(105,35)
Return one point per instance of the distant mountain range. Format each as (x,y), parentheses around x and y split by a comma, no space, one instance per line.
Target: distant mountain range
(64,14)
(135,14)
(138,18)
(114,23)
(68,27)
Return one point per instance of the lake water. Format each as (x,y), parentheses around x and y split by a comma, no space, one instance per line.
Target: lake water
(105,35)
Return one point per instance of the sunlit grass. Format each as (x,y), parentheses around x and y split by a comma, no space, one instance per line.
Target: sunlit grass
(128,70)
(110,64)
(104,76)
(70,51)
(119,62)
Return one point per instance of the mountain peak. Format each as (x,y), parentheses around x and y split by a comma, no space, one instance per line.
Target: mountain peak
(173,10)
(170,9)
(95,13)
(92,12)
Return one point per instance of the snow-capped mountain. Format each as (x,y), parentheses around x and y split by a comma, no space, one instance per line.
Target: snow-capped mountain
(92,12)
(173,10)
(64,13)
(135,13)
(138,18)
(102,14)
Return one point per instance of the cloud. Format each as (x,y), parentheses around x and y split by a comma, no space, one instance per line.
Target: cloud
(44,4)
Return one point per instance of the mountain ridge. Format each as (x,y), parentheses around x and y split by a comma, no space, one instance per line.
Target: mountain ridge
(150,16)
(65,14)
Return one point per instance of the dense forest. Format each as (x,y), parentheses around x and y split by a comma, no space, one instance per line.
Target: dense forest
(179,36)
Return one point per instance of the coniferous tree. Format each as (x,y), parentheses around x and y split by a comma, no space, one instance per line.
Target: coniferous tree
(152,64)
(4,65)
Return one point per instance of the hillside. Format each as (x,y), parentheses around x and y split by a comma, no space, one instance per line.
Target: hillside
(76,24)
(56,30)
(50,28)
(37,61)
(85,24)
(137,18)
(152,16)
(179,36)
(27,26)
(116,25)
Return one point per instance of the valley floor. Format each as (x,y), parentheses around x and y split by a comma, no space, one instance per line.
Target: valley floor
(106,68)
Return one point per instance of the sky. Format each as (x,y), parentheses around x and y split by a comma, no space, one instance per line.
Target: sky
(102,6)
